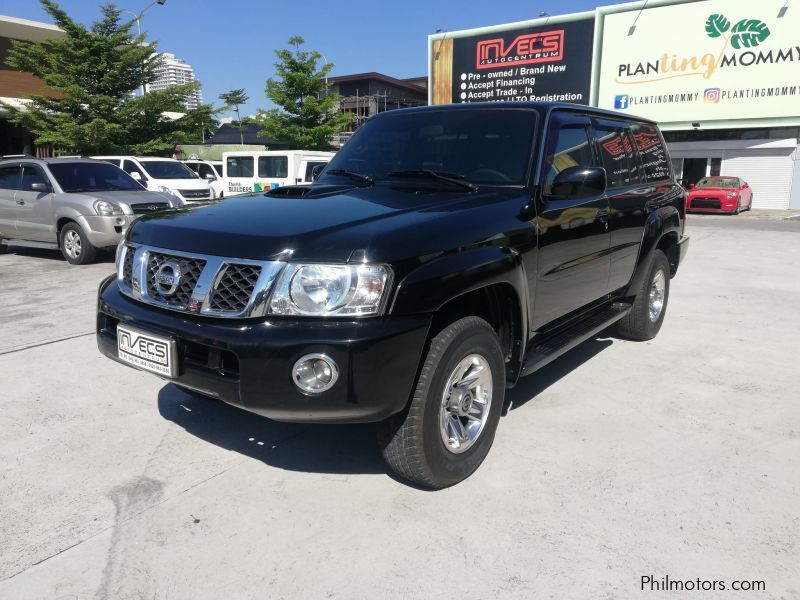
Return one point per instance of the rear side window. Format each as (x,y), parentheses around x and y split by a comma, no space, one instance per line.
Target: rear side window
(655,161)
(240,166)
(31,175)
(273,166)
(568,147)
(617,154)
(9,178)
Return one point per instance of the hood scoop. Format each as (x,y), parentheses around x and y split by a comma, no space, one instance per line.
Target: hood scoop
(306,191)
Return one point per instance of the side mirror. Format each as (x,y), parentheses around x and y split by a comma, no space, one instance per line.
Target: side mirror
(42,188)
(210,177)
(316,171)
(691,186)
(136,175)
(579,182)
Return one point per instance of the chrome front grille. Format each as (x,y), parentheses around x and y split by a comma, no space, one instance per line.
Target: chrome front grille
(190,269)
(235,287)
(148,207)
(206,285)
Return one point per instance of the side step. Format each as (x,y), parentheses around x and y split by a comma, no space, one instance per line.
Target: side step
(30,244)
(550,349)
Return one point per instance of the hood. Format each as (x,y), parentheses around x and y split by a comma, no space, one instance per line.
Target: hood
(124,198)
(712,191)
(329,223)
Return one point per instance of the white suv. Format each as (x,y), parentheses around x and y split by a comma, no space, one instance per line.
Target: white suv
(164,175)
(210,170)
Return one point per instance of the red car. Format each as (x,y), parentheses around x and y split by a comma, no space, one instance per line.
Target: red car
(720,194)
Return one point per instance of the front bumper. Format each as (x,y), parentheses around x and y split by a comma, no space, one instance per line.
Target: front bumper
(248,363)
(105,231)
(683,248)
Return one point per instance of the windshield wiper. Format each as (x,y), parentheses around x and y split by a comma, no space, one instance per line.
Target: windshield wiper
(447,177)
(352,175)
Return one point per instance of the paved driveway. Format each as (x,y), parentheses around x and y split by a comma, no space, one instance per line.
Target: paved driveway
(679,458)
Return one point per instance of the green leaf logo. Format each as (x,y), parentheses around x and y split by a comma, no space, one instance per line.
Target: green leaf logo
(749,33)
(717,25)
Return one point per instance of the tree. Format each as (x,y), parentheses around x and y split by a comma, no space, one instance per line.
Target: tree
(234,99)
(308,115)
(92,74)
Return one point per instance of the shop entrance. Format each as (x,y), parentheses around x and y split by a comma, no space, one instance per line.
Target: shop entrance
(694,169)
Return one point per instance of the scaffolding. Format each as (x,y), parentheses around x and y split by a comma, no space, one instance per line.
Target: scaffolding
(362,107)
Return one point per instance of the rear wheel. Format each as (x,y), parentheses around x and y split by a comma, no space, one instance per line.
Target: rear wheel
(75,246)
(647,315)
(448,428)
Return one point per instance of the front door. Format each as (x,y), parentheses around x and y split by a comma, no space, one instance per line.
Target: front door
(9,182)
(573,237)
(35,207)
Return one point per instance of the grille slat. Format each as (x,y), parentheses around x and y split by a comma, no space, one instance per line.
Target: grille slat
(706,203)
(148,207)
(235,287)
(191,268)
(127,266)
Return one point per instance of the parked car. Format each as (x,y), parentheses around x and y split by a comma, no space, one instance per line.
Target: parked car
(720,194)
(164,175)
(444,253)
(247,171)
(77,205)
(211,171)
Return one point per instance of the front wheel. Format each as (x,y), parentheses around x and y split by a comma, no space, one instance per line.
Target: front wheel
(449,426)
(75,246)
(644,320)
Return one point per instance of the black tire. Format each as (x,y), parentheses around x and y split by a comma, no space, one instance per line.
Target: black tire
(412,442)
(638,324)
(738,206)
(83,253)
(4,249)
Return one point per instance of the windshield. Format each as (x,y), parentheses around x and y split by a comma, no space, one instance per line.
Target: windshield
(92,177)
(218,169)
(167,169)
(719,182)
(484,146)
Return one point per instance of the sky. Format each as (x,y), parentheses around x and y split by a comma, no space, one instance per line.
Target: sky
(231,43)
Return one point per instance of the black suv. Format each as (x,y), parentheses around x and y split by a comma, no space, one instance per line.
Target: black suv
(444,253)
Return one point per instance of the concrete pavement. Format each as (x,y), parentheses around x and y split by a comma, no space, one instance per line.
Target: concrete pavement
(677,457)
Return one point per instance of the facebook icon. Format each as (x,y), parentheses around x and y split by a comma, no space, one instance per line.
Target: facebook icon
(622,102)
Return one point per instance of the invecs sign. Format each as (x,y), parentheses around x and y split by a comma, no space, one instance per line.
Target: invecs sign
(702,61)
(528,49)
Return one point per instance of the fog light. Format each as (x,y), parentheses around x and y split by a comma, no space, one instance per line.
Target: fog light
(315,373)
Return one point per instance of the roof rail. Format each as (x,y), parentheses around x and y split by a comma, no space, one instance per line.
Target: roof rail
(5,156)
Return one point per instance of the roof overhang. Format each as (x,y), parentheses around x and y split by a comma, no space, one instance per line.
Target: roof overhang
(29,31)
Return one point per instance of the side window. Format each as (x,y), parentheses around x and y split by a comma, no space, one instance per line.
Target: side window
(617,154)
(9,178)
(276,167)
(310,168)
(31,175)
(240,166)
(130,167)
(567,146)
(655,161)
(192,166)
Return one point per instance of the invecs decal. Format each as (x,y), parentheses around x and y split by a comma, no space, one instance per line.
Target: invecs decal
(527,49)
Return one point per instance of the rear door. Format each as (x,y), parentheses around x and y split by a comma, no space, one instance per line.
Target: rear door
(9,182)
(34,207)
(273,171)
(573,239)
(239,174)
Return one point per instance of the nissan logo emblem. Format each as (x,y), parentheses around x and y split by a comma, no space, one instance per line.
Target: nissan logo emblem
(168,278)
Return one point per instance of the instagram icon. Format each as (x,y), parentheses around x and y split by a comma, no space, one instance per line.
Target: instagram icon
(712,96)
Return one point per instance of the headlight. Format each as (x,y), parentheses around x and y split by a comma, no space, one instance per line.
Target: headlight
(731,195)
(167,190)
(106,209)
(331,290)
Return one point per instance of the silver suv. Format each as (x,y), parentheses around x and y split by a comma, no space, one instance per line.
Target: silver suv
(75,204)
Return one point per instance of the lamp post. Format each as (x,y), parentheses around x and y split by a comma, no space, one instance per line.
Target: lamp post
(138,19)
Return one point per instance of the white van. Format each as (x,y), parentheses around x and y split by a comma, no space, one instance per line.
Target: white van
(254,171)
(210,170)
(164,175)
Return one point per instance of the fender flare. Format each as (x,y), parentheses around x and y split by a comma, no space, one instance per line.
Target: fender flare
(660,223)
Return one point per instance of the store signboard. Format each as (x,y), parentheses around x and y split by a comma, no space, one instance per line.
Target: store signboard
(703,61)
(549,61)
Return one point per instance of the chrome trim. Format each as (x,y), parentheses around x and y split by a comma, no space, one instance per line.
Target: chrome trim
(210,277)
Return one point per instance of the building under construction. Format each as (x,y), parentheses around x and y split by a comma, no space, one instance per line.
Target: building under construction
(366,94)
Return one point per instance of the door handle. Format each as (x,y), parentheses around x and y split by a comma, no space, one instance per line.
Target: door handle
(20,202)
(602,213)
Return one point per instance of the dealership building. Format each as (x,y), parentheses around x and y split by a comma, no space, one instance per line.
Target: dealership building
(722,78)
